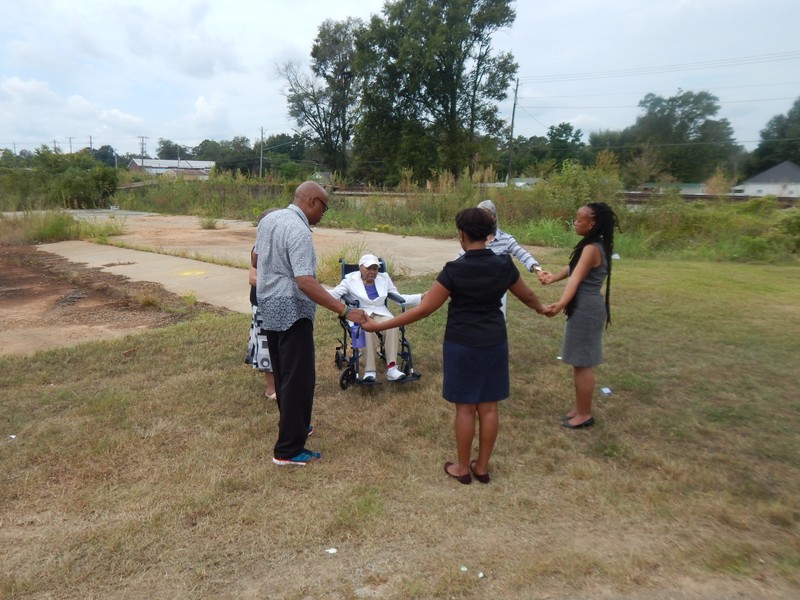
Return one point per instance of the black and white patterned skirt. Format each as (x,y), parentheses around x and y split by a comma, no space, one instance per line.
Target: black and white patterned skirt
(257,350)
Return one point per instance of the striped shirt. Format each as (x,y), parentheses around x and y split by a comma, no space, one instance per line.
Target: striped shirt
(504,243)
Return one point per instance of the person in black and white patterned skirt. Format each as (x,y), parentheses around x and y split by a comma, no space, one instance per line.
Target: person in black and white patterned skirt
(257,349)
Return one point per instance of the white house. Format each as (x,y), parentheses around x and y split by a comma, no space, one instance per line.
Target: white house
(782,180)
(189,169)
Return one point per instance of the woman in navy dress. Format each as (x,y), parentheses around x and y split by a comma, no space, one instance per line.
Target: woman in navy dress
(475,349)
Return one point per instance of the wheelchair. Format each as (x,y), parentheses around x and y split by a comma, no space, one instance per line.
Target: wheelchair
(349,348)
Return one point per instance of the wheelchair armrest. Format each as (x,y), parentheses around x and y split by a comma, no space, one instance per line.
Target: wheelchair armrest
(397,298)
(350,301)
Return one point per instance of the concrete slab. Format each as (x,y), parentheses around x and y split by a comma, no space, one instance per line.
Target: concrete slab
(214,284)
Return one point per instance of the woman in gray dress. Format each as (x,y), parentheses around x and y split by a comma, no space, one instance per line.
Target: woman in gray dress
(582,301)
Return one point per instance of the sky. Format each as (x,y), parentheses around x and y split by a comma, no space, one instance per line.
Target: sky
(76,73)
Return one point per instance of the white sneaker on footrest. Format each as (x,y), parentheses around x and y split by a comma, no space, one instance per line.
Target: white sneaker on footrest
(393,374)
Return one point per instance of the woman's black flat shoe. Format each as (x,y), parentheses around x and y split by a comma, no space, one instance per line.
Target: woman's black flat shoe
(485,478)
(465,479)
(587,423)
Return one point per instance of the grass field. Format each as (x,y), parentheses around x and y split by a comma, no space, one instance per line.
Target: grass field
(147,474)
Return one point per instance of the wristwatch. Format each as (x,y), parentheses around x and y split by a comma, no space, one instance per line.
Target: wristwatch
(536,268)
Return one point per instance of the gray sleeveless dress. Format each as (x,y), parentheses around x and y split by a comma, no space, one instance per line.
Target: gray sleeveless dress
(583,333)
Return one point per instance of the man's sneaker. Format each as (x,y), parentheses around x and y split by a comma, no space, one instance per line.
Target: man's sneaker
(393,374)
(302,459)
(369,376)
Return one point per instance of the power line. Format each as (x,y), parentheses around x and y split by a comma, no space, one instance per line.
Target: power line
(632,72)
(631,93)
(684,144)
(637,106)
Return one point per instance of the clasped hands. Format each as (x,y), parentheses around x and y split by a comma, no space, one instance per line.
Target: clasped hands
(551,310)
(370,325)
(360,317)
(544,277)
(357,315)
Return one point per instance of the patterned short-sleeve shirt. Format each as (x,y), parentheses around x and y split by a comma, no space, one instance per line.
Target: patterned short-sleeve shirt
(285,251)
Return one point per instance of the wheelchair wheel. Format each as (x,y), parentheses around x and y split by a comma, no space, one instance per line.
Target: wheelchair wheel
(339,359)
(347,378)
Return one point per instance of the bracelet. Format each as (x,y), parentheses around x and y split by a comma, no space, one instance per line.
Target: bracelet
(345,311)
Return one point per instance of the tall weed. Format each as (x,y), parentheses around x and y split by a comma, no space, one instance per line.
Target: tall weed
(44,227)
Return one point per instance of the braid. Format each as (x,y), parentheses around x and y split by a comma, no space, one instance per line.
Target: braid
(605,220)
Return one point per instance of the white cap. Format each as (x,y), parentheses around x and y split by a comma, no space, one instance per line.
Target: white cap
(368,260)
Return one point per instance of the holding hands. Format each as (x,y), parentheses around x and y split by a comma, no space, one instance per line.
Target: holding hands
(370,325)
(357,315)
(551,310)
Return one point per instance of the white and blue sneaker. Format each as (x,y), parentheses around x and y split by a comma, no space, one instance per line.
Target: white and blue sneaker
(301,460)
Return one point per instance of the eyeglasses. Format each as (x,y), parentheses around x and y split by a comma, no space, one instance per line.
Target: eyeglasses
(324,206)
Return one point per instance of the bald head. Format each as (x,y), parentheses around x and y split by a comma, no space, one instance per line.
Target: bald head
(312,199)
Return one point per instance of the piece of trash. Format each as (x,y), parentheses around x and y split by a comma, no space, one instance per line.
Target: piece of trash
(480,575)
(615,256)
(463,569)
(331,550)
(12,437)
(605,391)
(558,358)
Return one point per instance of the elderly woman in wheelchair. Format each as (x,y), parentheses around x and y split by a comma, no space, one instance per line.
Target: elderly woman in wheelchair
(367,286)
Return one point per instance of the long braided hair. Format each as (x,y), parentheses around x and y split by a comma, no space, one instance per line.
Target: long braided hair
(605,220)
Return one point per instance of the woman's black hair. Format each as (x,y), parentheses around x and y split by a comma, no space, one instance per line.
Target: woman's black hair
(605,220)
(476,223)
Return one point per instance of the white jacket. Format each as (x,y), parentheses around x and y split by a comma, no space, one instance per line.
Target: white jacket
(353,288)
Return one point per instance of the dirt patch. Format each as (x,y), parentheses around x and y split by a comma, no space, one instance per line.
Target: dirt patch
(48,302)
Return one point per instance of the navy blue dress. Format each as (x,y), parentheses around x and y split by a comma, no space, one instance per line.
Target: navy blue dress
(475,350)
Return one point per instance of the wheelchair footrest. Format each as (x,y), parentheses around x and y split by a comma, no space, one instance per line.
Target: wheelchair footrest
(412,377)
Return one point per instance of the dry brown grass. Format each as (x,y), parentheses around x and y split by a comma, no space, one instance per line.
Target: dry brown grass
(148,474)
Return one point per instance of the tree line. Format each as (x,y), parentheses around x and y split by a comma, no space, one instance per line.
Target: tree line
(413,93)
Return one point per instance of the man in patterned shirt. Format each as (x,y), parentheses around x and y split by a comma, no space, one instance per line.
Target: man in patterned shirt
(288,293)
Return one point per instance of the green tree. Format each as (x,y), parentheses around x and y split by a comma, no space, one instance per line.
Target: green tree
(430,72)
(529,157)
(106,155)
(169,150)
(780,141)
(326,102)
(681,130)
(564,143)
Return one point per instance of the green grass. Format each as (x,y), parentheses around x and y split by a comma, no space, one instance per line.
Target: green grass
(148,473)
(48,226)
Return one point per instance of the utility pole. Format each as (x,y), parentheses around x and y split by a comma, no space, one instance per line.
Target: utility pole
(90,145)
(55,147)
(511,140)
(70,144)
(261,160)
(142,139)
